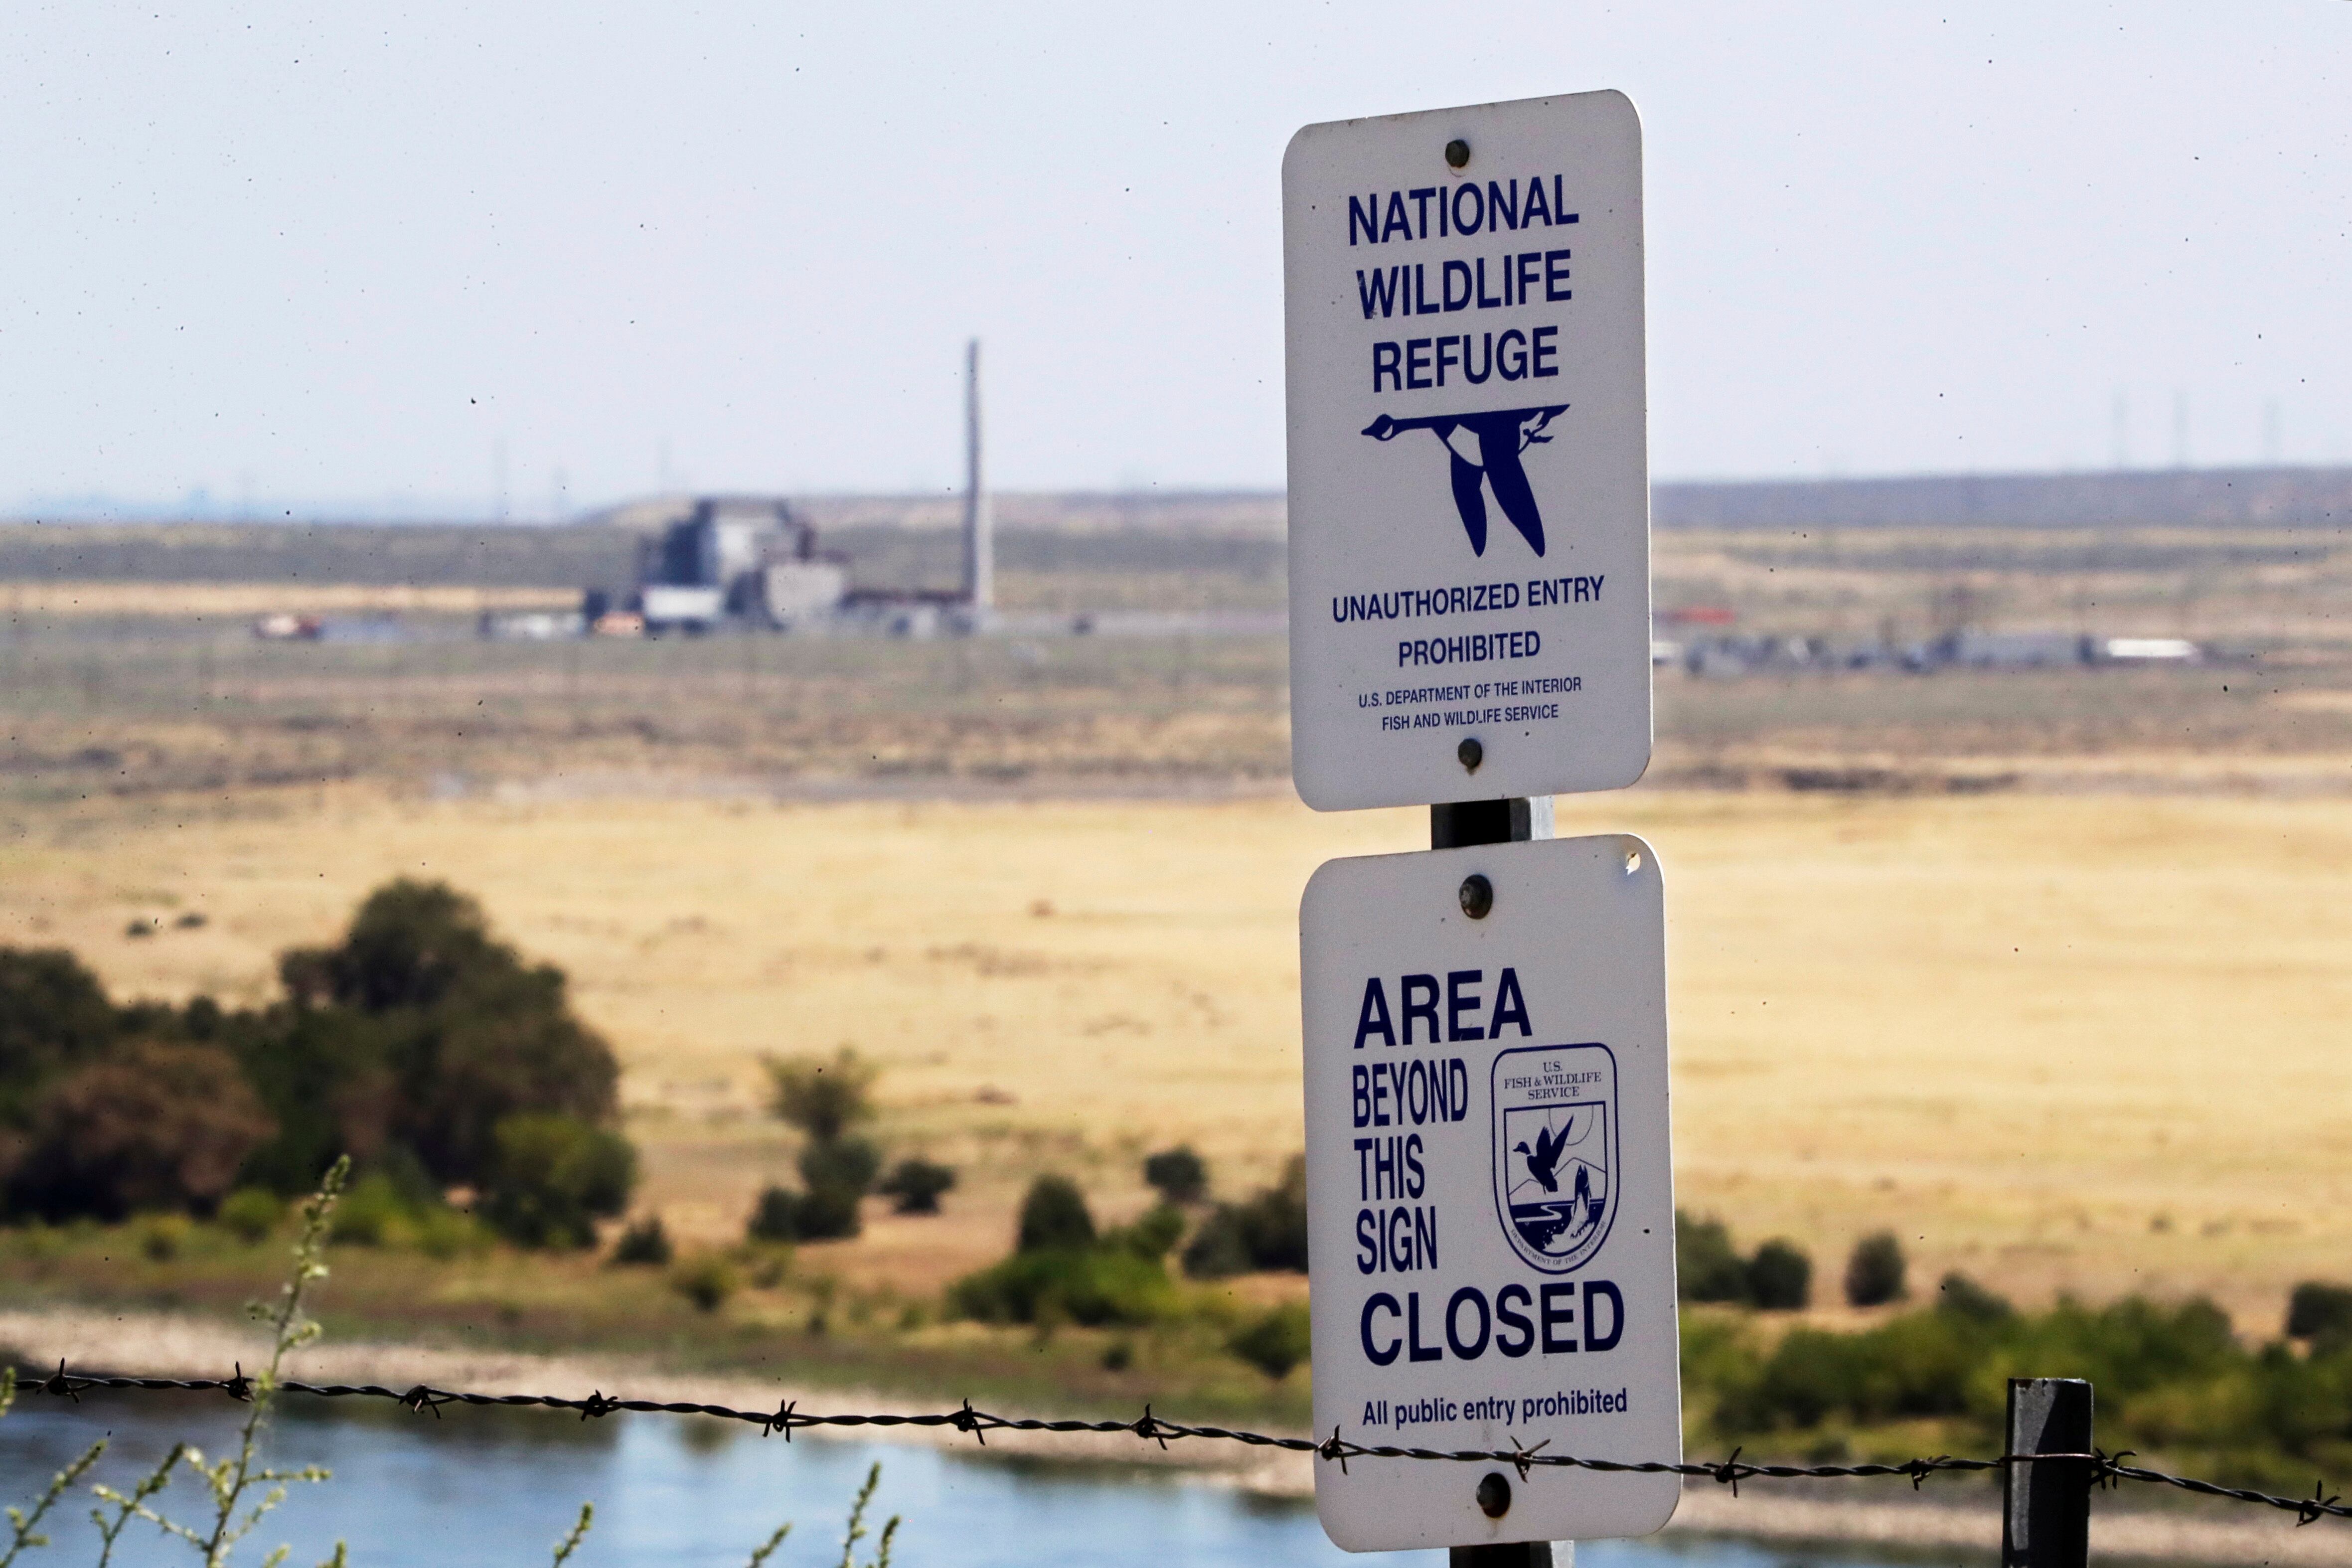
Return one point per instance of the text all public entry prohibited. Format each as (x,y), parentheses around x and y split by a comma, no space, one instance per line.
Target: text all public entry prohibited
(1490,1188)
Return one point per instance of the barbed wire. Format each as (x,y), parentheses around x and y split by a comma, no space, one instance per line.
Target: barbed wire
(2101,1469)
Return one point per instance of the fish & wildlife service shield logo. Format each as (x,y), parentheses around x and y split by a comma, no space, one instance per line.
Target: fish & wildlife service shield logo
(1556,1151)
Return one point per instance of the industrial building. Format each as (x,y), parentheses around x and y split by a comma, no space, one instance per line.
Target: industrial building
(749,562)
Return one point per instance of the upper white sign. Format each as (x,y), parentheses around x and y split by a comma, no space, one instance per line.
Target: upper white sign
(1490,1202)
(1469,462)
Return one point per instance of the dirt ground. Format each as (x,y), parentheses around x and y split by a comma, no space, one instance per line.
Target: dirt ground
(2085,1043)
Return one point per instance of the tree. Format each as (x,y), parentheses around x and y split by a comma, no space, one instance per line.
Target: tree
(1707,1267)
(1274,1224)
(1873,1271)
(53,1015)
(1780,1277)
(553,1177)
(2321,1312)
(644,1243)
(150,1126)
(776,1216)
(1180,1176)
(845,1164)
(1053,1218)
(823,1099)
(913,1186)
(466,1032)
(323,1076)
(410,945)
(1268,1231)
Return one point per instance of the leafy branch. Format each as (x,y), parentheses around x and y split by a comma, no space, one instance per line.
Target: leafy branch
(230,1479)
(570,1543)
(857,1530)
(132,1505)
(25,1528)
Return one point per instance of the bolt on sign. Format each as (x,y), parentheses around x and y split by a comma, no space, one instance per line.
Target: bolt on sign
(1469,465)
(1490,1188)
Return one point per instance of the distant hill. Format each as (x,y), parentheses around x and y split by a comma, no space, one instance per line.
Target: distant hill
(2276,497)
(1244,513)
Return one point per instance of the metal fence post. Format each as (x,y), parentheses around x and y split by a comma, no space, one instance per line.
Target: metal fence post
(1520,1555)
(1509,821)
(2046,1505)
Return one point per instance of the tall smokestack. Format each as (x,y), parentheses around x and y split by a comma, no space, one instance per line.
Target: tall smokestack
(978,526)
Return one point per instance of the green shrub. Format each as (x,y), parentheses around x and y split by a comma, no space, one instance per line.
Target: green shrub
(841,1164)
(1706,1265)
(1875,1271)
(1095,1286)
(373,1212)
(440,1232)
(1218,1250)
(707,1279)
(836,1171)
(250,1214)
(1053,1218)
(645,1242)
(1180,1176)
(821,1213)
(2320,1312)
(2169,1376)
(1152,1236)
(776,1216)
(1780,1277)
(1964,1298)
(1267,1232)
(913,1186)
(553,1175)
(826,1213)
(1275,1341)
(396,1204)
(162,1236)
(1274,1222)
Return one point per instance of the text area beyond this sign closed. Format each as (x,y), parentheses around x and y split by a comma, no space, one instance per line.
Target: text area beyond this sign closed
(1490,1188)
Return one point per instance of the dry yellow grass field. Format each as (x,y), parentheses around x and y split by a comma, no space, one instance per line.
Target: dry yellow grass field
(239,601)
(2063,1042)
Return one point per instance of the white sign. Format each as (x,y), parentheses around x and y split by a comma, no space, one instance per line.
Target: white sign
(1490,1188)
(1469,464)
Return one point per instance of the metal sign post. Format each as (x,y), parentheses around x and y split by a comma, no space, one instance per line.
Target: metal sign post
(1490,1182)
(2045,1517)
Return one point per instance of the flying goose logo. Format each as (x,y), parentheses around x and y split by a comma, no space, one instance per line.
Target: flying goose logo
(1483,452)
(1555,1110)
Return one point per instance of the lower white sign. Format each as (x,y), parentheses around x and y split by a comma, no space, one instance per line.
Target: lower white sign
(1490,1188)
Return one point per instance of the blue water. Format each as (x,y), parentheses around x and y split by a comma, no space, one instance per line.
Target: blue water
(501,1486)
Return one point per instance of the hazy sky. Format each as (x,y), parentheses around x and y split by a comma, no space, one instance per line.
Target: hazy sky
(357,253)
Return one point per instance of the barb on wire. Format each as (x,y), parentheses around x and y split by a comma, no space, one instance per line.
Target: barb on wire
(2106,1470)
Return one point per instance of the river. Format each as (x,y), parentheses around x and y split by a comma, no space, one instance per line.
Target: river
(502,1487)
